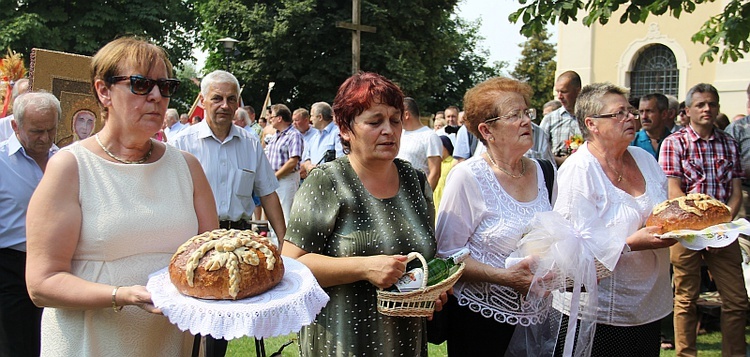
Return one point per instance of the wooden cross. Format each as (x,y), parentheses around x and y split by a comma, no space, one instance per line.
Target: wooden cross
(356,29)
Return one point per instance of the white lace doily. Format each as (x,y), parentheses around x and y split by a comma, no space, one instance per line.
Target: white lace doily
(718,236)
(291,304)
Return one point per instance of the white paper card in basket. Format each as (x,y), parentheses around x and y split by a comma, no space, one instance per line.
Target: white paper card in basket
(291,304)
(718,236)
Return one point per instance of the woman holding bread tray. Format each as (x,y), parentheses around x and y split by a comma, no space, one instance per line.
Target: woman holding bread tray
(606,190)
(353,222)
(110,210)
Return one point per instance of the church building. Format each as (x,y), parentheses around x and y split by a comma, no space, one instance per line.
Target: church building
(657,56)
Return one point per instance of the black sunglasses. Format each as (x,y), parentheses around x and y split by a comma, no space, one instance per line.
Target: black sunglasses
(141,85)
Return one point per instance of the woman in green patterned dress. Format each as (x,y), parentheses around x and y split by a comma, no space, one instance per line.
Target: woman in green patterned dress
(353,222)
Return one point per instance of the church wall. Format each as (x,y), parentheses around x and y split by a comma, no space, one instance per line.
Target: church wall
(608,53)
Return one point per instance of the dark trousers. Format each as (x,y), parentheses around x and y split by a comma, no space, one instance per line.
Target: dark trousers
(471,334)
(213,347)
(20,319)
(617,341)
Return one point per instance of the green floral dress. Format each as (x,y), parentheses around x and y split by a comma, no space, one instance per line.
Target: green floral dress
(334,215)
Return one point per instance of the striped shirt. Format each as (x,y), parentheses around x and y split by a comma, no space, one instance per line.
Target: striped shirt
(704,166)
(560,126)
(283,146)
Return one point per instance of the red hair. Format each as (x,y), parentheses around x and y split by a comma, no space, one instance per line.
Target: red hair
(358,93)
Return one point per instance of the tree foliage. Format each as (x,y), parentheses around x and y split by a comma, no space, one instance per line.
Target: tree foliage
(727,32)
(432,55)
(189,88)
(537,67)
(83,27)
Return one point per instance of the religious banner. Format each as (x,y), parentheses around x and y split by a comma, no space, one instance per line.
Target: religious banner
(67,76)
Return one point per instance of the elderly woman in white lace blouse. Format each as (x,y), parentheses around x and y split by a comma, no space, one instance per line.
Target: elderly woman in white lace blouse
(609,183)
(486,204)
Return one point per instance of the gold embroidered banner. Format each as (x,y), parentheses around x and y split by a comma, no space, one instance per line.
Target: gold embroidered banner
(68,77)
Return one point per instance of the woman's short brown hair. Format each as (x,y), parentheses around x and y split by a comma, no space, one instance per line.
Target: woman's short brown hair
(111,59)
(482,102)
(358,93)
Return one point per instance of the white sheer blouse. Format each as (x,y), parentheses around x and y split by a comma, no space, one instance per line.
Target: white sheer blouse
(476,212)
(639,290)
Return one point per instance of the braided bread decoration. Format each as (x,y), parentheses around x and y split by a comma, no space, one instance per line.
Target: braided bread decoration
(226,264)
(694,211)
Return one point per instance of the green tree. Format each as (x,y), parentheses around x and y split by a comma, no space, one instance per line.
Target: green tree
(83,27)
(728,31)
(295,43)
(537,67)
(189,88)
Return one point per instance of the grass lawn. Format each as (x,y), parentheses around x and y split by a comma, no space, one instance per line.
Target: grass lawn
(709,345)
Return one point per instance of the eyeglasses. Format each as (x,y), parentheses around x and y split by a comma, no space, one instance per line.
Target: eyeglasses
(515,116)
(141,85)
(620,115)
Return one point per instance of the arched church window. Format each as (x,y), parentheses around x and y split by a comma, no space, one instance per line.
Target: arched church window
(655,71)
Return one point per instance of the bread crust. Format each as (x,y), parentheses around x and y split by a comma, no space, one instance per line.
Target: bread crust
(695,211)
(227,265)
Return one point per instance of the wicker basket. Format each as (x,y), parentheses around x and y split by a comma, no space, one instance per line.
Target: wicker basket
(601,273)
(417,303)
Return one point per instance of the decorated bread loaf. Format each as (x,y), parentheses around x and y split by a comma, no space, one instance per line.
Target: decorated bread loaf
(695,211)
(226,264)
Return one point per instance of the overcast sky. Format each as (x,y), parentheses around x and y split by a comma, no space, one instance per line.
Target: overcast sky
(501,37)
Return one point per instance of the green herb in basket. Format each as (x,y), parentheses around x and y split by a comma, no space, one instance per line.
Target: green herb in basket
(439,269)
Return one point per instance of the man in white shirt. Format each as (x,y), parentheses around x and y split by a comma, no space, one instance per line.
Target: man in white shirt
(232,158)
(23,160)
(241,119)
(419,144)
(234,163)
(325,145)
(173,123)
(301,122)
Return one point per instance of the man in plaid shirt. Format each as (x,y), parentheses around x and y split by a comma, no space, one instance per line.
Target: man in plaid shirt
(284,151)
(700,159)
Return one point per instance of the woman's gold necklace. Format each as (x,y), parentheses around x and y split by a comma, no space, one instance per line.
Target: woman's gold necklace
(523,167)
(619,175)
(110,154)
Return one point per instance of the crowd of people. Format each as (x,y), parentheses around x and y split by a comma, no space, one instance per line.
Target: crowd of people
(349,189)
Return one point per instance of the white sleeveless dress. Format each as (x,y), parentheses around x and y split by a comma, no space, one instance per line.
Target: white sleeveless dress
(134,218)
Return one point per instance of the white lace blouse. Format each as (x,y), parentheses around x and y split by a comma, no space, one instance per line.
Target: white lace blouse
(639,290)
(475,212)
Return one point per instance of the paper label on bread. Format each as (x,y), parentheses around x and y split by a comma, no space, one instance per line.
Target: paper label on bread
(226,264)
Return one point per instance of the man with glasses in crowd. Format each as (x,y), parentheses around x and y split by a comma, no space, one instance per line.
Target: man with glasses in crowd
(284,151)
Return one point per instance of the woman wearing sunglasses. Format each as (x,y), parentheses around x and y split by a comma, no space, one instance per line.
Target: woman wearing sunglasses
(607,183)
(110,210)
